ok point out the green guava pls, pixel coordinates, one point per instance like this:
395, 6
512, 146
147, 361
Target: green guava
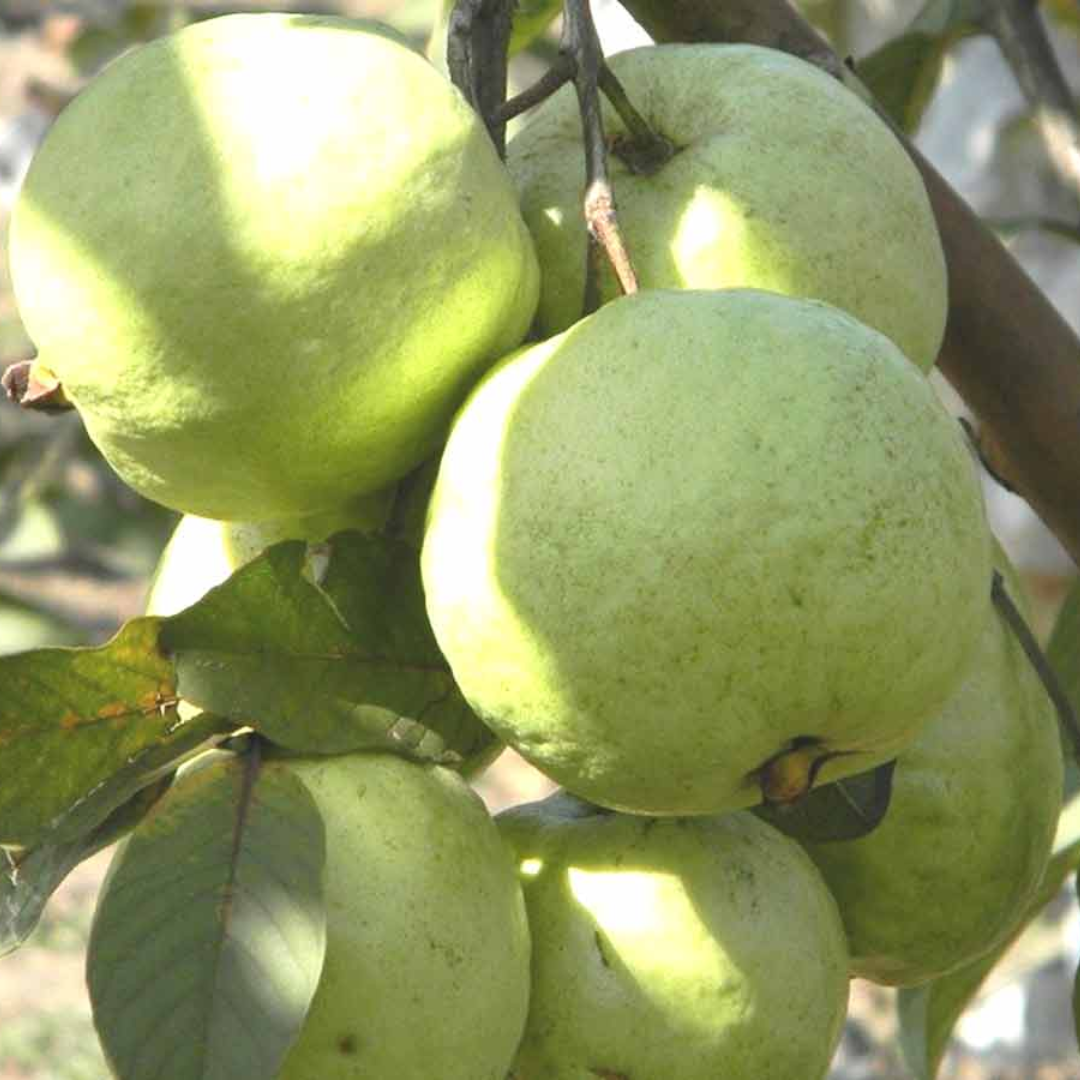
969, 828
700, 530
778, 178
204, 552
427, 954
266, 257
690, 948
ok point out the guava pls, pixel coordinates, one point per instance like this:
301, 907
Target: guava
427, 954
776, 177
204, 552
690, 948
266, 257
975, 803
700, 531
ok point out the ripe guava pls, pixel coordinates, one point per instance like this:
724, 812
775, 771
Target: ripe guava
266, 257
689, 948
778, 178
975, 803
427, 953
700, 530
204, 552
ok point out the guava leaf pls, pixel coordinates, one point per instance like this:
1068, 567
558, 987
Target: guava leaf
81, 730
1063, 653
843, 810
30, 878
326, 650
927, 1014
904, 72
209, 936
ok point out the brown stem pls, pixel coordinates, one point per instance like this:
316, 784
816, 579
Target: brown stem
477, 47
581, 41
1008, 352
1023, 41
1037, 658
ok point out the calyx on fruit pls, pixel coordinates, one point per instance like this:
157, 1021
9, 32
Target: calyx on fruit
267, 294
699, 529
780, 179
427, 952
975, 803
689, 948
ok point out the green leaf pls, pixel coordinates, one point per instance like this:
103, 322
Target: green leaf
843, 810
209, 936
1063, 653
531, 19
32, 877
904, 73
82, 729
928, 1014
327, 652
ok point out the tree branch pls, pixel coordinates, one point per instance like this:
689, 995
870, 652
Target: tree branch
1010, 354
1022, 38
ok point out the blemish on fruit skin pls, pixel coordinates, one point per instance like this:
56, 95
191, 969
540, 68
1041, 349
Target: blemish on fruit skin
347, 1044
599, 942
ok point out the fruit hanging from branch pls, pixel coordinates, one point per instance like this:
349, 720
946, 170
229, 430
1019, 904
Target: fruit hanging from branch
266, 301
700, 530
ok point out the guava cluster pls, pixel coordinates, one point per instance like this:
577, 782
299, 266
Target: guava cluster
714, 544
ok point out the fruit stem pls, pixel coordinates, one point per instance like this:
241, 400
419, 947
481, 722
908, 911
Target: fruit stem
643, 151
1037, 658
581, 41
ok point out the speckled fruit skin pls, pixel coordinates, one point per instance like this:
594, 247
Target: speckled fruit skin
695, 527
690, 948
427, 954
975, 803
267, 256
782, 180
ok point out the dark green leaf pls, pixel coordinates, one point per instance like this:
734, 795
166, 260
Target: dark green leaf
1063, 653
208, 941
327, 652
843, 810
27, 882
82, 729
929, 1013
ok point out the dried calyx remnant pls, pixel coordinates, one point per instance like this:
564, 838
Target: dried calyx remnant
26, 384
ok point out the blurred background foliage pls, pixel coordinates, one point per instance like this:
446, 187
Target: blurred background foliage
77, 547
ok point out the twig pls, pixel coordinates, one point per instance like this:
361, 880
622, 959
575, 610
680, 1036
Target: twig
581, 41
1008, 351
477, 46
1023, 41
1037, 658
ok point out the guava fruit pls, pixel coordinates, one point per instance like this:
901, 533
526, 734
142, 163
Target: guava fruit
204, 552
689, 948
975, 803
427, 955
776, 177
700, 531
266, 257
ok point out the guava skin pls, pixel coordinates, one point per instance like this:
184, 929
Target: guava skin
969, 829
698, 526
204, 552
781, 179
427, 955
690, 948
275, 291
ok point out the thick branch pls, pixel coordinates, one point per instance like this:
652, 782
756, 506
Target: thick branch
1019, 31
1008, 352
